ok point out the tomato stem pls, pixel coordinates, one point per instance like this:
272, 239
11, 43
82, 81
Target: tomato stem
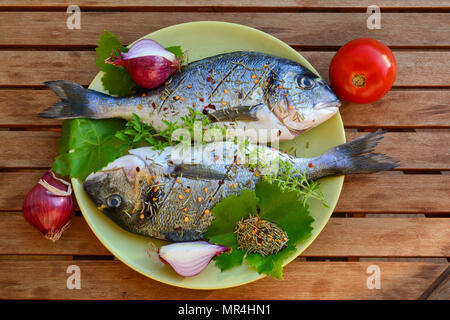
359, 81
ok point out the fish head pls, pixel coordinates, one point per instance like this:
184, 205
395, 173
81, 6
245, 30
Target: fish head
300, 99
120, 189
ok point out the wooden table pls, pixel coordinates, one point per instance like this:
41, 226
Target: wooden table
397, 220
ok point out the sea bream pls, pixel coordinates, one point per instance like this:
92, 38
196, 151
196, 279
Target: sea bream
239, 90
167, 195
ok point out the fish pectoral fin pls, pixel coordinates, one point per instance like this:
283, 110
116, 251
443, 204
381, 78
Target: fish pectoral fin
235, 113
198, 171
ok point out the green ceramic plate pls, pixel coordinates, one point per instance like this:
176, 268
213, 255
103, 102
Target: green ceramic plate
203, 39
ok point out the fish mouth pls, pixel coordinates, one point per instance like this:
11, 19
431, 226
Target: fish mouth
332, 105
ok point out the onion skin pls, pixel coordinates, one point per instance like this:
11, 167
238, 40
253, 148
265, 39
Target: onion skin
149, 71
49, 213
148, 63
190, 258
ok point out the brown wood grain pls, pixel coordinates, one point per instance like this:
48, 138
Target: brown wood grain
33, 68
78, 239
432, 29
376, 193
341, 237
19, 108
400, 108
381, 193
415, 68
28, 149
414, 150
227, 4
319, 280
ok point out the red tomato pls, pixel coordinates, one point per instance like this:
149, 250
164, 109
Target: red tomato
363, 71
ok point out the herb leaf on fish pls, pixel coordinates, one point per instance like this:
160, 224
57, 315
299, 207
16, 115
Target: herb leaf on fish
270, 203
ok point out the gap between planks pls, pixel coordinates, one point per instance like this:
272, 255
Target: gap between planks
229, 6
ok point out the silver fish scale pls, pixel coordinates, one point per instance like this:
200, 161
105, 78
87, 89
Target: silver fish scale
218, 83
185, 203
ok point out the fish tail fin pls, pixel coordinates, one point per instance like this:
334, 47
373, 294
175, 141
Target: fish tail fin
74, 101
357, 156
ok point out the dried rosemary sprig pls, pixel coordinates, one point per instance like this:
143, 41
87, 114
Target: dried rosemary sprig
257, 235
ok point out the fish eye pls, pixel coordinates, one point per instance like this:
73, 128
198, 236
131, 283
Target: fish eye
114, 201
306, 82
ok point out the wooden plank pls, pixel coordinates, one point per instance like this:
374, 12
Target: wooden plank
439, 289
318, 280
28, 149
14, 186
378, 237
19, 108
78, 239
442, 292
227, 4
33, 68
382, 193
424, 66
400, 108
414, 150
342, 237
432, 28
429, 152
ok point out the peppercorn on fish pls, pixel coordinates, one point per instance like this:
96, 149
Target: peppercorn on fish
170, 194
239, 90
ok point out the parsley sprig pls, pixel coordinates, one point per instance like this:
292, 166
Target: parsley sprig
281, 172
137, 133
290, 179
